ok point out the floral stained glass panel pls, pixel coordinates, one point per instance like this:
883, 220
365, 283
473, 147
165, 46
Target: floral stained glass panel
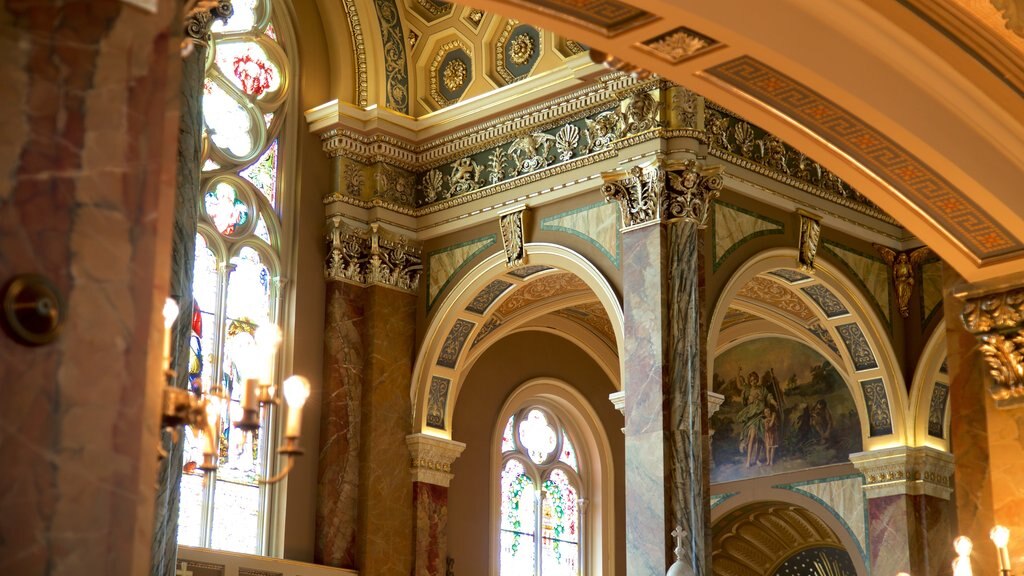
507, 443
560, 538
228, 212
227, 122
568, 453
248, 67
518, 515
537, 436
263, 174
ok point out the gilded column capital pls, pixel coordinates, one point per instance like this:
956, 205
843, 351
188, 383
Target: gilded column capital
689, 191
432, 458
905, 470
371, 256
637, 192
996, 319
200, 16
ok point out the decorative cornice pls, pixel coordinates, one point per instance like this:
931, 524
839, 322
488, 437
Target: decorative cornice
996, 319
432, 458
371, 256
906, 470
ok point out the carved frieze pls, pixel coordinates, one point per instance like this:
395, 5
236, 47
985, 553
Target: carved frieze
432, 458
513, 236
905, 470
996, 319
810, 234
371, 256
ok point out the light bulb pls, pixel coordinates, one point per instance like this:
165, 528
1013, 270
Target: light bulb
963, 546
268, 338
296, 391
170, 312
1000, 536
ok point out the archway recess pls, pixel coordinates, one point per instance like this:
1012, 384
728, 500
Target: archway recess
463, 317
892, 106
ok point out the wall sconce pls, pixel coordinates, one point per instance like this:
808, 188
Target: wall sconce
203, 411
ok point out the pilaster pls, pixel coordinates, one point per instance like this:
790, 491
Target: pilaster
910, 515
432, 459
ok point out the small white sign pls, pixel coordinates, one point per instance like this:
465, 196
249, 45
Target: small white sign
147, 5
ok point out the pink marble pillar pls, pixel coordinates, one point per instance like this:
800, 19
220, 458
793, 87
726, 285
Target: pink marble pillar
90, 101
432, 459
911, 519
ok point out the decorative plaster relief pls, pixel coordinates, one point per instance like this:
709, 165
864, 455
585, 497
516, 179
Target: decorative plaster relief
997, 321
678, 45
775, 295
826, 300
879, 418
487, 296
437, 402
904, 267
372, 256
937, 410
395, 68
513, 236
453, 343
810, 233
432, 458
858, 347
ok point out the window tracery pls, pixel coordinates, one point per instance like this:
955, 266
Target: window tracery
237, 266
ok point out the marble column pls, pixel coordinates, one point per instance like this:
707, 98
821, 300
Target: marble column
183, 248
911, 519
663, 209
985, 337
364, 509
432, 460
87, 179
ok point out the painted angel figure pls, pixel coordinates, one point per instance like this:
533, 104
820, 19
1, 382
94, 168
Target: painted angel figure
903, 265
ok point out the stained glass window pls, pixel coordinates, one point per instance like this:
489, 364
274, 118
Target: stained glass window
540, 531
235, 287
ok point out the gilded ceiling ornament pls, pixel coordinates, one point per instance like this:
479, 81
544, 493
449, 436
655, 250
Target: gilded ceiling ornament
997, 321
689, 192
476, 15
520, 49
454, 75
904, 268
530, 152
678, 45
413, 38
513, 236
810, 234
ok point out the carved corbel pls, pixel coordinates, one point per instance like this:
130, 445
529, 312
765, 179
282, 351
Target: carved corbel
810, 234
637, 192
513, 236
996, 319
689, 192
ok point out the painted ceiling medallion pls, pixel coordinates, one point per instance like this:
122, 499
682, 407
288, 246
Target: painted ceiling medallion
521, 49
454, 75
678, 45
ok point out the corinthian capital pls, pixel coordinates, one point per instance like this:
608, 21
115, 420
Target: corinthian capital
997, 320
637, 192
200, 16
689, 192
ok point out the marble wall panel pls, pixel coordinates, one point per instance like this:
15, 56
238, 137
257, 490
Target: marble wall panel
598, 224
385, 495
338, 476
431, 529
733, 226
891, 542
870, 270
444, 264
87, 180
843, 496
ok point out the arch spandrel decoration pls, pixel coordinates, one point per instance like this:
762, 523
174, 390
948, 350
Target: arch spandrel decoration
462, 326
929, 393
866, 359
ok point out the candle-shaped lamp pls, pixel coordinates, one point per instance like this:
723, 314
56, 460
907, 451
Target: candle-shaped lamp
248, 419
268, 339
296, 391
1000, 536
211, 433
170, 315
962, 563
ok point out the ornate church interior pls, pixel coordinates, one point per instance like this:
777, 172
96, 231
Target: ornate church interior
512, 288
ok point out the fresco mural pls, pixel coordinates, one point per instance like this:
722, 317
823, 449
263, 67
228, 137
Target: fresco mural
786, 408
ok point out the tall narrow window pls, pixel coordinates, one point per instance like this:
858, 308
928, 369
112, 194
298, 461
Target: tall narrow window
540, 521
237, 264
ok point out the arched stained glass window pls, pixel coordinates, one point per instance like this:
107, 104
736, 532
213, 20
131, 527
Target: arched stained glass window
237, 264
539, 530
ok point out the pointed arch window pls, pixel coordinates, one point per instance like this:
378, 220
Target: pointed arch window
237, 267
540, 511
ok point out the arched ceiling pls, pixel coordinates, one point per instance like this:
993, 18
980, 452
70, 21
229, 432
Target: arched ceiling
915, 116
